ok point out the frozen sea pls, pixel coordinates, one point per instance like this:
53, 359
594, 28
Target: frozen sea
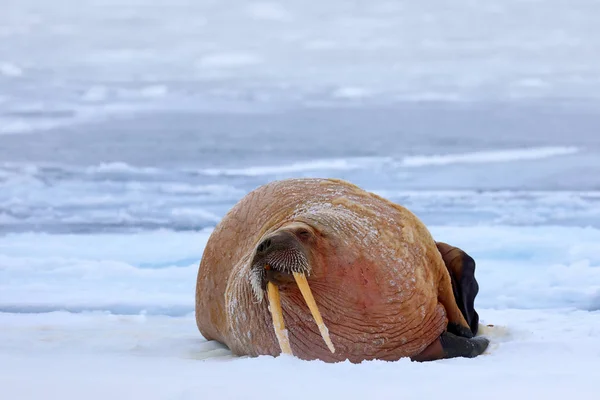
128, 129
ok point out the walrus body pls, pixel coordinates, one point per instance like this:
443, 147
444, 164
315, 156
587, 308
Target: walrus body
383, 287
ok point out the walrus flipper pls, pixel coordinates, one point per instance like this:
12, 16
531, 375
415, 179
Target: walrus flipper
449, 345
461, 267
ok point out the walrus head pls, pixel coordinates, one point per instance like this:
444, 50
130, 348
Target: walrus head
281, 258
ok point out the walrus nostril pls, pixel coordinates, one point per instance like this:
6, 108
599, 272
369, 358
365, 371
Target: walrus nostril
264, 246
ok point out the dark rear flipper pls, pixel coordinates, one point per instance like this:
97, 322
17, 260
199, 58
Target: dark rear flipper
461, 267
449, 345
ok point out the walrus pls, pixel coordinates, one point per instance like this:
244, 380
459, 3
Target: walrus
322, 269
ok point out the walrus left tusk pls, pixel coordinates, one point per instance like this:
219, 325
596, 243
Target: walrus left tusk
277, 315
314, 310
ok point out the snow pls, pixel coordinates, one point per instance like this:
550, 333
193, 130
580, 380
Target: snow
117, 309
534, 354
228, 60
543, 267
489, 156
130, 321
269, 11
295, 168
10, 70
482, 157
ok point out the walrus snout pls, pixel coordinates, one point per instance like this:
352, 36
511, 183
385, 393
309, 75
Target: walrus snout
278, 256
280, 241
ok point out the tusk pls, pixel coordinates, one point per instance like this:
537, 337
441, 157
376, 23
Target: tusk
314, 310
277, 315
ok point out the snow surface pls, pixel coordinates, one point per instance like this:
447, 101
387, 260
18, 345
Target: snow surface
540, 355
128, 129
534, 267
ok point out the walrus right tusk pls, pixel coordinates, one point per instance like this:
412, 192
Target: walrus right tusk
277, 315
314, 310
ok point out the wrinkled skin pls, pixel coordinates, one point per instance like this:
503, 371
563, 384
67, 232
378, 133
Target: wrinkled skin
376, 274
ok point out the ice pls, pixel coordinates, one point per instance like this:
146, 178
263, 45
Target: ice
115, 196
350, 92
489, 156
108, 195
269, 11
119, 273
228, 60
518, 268
549, 267
415, 161
292, 52
118, 309
95, 93
10, 70
296, 168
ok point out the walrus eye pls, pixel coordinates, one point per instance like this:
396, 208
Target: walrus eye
303, 234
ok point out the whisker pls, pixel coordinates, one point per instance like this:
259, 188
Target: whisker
287, 261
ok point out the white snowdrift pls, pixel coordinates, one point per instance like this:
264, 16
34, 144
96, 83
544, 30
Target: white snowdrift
535, 354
